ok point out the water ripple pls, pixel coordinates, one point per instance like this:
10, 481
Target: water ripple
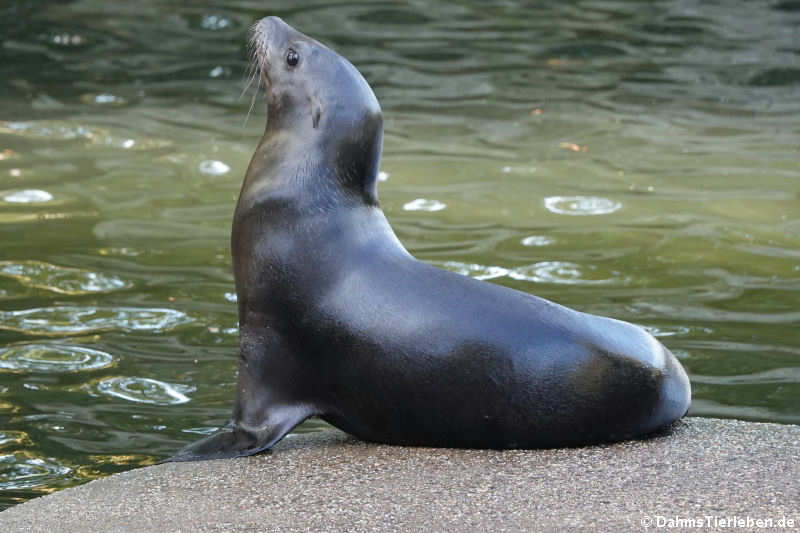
423, 204
537, 240
71, 320
213, 167
104, 99
786, 375
52, 358
472, 269
20, 471
144, 390
562, 272
14, 439
27, 196
67, 131
60, 279
581, 205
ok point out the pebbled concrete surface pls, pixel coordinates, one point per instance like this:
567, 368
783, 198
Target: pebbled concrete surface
725, 469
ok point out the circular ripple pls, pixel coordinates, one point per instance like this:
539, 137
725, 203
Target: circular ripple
472, 269
422, 204
53, 358
213, 167
144, 390
562, 272
581, 205
59, 279
19, 471
537, 240
27, 196
71, 320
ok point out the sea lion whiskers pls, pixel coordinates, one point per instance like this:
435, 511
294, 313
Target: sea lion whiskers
256, 67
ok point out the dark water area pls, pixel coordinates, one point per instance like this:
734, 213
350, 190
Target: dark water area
639, 160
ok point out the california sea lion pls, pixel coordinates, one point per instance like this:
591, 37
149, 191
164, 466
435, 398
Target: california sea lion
338, 320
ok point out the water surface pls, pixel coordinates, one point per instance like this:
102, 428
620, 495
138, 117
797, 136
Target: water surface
636, 160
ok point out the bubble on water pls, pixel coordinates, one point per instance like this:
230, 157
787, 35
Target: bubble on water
72, 320
473, 270
60, 279
52, 358
212, 167
537, 240
383, 176
423, 204
27, 196
231, 297
561, 272
144, 390
581, 205
21, 471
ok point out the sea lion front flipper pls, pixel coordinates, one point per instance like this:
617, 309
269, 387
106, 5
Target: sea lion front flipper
267, 405
237, 440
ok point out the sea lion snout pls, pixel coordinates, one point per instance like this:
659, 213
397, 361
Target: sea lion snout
264, 36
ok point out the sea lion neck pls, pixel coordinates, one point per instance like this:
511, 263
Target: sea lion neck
333, 164
311, 170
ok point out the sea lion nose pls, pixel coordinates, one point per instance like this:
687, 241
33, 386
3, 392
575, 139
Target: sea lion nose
271, 26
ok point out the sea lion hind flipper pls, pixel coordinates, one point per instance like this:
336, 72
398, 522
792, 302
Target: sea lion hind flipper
237, 441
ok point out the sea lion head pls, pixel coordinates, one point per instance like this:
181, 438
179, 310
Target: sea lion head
318, 104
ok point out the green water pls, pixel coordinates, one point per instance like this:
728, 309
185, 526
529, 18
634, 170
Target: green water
633, 159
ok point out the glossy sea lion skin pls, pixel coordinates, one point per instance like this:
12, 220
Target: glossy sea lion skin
338, 320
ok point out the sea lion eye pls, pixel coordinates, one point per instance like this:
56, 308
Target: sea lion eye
292, 57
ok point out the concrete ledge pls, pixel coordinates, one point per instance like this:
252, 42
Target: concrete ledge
329, 482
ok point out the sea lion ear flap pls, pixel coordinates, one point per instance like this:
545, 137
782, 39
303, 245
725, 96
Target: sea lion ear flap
316, 114
316, 108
